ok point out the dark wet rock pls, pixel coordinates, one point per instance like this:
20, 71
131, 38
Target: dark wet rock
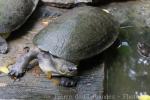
70, 1
134, 16
82, 1
44, 11
73, 3
131, 13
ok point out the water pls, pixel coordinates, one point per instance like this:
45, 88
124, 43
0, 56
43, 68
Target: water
127, 68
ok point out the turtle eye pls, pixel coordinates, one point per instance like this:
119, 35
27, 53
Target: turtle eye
63, 69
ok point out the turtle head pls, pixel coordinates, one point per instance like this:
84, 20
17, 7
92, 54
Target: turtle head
65, 68
56, 66
68, 69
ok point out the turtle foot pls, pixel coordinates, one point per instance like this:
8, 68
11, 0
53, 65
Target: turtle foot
15, 75
22, 65
68, 82
16, 72
3, 46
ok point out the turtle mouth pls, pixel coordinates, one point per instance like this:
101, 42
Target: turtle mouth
72, 71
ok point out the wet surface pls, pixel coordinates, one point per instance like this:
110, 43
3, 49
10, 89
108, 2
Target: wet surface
128, 73
32, 87
128, 68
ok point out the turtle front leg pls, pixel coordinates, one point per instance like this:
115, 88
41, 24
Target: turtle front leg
18, 69
3, 46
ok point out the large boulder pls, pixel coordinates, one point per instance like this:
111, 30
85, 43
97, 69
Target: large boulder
131, 13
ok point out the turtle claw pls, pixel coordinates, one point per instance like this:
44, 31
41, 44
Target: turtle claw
16, 73
68, 82
3, 46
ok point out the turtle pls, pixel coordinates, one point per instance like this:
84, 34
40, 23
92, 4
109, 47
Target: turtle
143, 49
13, 14
81, 33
